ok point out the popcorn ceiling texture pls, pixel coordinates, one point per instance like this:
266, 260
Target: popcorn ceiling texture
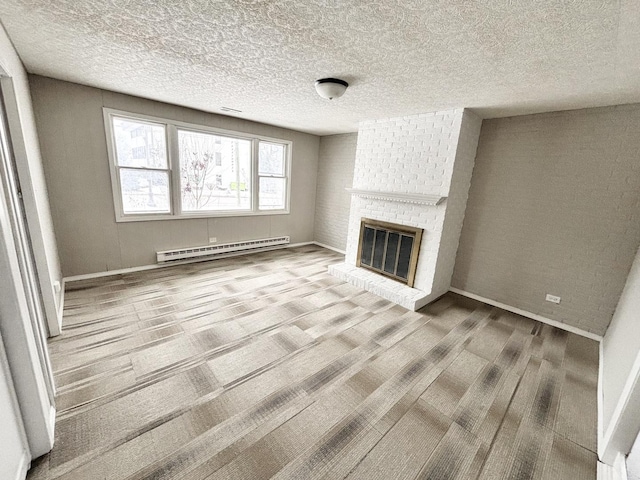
554, 207
401, 57
417, 154
336, 160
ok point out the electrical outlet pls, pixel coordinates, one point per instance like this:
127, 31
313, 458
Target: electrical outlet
213, 239
552, 298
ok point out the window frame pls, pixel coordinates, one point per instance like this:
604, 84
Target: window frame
173, 169
284, 175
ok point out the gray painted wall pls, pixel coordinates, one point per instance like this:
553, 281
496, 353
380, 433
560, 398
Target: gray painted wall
73, 142
336, 161
554, 207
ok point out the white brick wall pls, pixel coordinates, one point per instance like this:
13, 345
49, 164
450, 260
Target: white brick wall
554, 207
336, 160
416, 154
412, 154
457, 201
430, 218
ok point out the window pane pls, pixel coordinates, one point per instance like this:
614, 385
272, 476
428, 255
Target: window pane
404, 256
272, 193
271, 159
139, 144
378, 249
215, 172
367, 245
144, 191
392, 251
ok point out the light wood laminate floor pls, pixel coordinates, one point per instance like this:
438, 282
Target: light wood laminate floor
264, 366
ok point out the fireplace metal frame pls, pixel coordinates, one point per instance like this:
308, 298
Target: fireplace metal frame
414, 232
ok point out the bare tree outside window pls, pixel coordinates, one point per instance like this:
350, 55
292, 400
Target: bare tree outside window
166, 169
215, 172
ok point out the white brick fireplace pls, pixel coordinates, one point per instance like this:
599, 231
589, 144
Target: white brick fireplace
413, 171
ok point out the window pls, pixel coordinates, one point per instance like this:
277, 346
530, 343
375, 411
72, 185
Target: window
200, 170
273, 180
164, 169
141, 166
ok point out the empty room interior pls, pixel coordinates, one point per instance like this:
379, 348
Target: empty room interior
319, 239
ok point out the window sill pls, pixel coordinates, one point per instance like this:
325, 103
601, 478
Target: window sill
185, 216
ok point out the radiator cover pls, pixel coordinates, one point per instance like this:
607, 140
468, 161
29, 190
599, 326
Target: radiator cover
213, 251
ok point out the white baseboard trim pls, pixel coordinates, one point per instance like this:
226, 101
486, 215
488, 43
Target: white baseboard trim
23, 466
60, 311
600, 402
52, 425
109, 273
299, 244
328, 247
141, 268
533, 316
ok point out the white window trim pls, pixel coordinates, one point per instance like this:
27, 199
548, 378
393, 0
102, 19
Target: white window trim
176, 212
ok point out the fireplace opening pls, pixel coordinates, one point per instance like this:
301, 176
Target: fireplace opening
389, 249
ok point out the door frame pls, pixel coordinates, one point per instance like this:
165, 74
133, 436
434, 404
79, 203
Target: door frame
23, 333
29, 379
24, 249
52, 292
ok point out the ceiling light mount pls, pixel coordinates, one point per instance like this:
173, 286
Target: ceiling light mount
331, 88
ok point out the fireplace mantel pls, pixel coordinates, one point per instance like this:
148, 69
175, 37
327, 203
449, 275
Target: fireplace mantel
415, 198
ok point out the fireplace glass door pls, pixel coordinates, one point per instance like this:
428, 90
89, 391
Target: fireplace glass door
389, 249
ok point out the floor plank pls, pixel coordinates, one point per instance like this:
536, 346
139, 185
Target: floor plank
264, 366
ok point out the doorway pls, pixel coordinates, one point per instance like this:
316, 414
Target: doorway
24, 251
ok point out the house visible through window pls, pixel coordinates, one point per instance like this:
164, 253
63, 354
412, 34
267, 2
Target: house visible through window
142, 166
165, 169
271, 170
200, 169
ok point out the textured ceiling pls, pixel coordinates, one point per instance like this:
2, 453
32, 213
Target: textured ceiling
400, 56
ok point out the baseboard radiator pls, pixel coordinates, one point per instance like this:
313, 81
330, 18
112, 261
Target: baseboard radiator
212, 251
